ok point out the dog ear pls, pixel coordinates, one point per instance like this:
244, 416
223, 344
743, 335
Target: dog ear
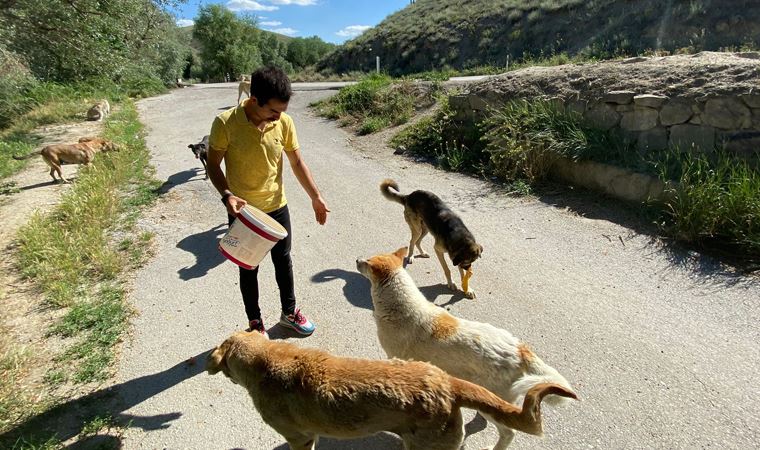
217, 359
190, 146
401, 253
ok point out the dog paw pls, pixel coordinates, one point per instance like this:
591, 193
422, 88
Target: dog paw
470, 294
423, 255
407, 261
452, 286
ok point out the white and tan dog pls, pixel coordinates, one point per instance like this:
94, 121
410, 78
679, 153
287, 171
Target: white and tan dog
99, 111
305, 393
411, 327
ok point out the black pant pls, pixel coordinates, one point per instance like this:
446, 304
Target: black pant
283, 272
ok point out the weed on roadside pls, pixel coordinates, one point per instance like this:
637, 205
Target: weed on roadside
77, 255
375, 103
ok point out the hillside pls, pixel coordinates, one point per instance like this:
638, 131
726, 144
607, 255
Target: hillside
432, 34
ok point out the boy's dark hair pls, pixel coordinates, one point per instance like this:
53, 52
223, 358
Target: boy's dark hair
268, 83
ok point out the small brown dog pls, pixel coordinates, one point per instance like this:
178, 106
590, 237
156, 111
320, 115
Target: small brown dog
83, 152
425, 212
307, 393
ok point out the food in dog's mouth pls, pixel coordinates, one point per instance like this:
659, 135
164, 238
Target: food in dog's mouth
466, 280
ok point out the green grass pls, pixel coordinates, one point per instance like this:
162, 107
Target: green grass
70, 248
13, 395
716, 203
374, 103
449, 143
97, 325
525, 138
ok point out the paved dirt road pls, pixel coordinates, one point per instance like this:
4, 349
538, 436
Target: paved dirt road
662, 347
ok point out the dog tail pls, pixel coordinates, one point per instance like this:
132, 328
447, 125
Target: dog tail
526, 419
34, 153
523, 385
390, 194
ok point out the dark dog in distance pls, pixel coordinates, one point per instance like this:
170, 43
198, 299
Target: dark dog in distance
200, 151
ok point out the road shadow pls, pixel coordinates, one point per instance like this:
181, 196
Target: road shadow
383, 440
356, 288
434, 291
379, 441
714, 264
66, 420
278, 332
41, 184
476, 425
178, 179
204, 246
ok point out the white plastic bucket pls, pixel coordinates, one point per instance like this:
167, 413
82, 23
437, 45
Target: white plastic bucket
250, 237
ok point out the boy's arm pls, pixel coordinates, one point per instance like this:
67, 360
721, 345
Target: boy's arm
303, 174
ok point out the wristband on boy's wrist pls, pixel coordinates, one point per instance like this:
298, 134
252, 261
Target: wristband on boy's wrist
226, 196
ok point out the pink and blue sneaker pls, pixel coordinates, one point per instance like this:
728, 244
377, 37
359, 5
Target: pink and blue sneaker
297, 322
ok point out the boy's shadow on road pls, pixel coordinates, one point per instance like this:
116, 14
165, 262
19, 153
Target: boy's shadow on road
356, 289
67, 419
204, 246
380, 441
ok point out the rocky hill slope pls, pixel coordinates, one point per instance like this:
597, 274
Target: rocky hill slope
433, 34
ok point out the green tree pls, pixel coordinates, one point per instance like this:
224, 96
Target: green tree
70, 40
303, 52
274, 52
229, 45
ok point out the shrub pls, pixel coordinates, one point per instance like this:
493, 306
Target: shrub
15, 81
716, 201
525, 138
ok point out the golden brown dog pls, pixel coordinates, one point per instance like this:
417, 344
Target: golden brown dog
83, 152
425, 212
244, 86
307, 393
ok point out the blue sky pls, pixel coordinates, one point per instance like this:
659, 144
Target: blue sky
332, 20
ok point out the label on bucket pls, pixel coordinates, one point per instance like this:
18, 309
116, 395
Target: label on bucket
231, 241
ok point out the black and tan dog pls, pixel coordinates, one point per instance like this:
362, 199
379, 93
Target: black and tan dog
425, 212
200, 150
305, 393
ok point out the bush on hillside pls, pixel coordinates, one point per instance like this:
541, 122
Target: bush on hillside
15, 81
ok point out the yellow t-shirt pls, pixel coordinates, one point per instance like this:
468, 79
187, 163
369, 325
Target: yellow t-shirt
253, 158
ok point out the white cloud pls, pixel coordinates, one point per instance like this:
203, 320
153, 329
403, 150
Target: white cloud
272, 23
294, 2
353, 30
185, 22
248, 5
285, 31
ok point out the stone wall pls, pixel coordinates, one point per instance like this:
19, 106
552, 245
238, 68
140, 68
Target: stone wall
655, 122
697, 102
